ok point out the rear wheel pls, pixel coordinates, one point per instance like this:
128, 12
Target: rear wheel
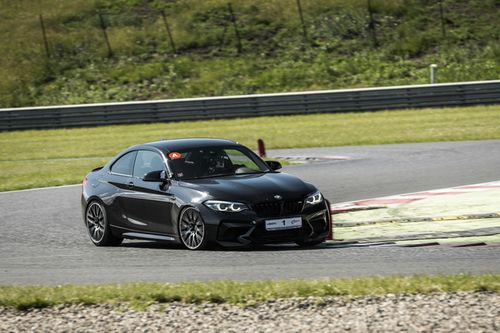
98, 227
192, 230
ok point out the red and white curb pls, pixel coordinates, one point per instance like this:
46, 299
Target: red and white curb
402, 199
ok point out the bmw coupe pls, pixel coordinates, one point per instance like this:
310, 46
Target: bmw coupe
197, 192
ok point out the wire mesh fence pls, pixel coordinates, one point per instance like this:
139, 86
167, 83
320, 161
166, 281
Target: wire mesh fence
113, 28
80, 51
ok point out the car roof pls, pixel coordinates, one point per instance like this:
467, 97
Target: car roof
188, 143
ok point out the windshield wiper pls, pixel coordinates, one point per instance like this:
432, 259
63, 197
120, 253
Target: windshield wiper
225, 175
209, 176
249, 173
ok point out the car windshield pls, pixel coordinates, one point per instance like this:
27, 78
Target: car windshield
214, 162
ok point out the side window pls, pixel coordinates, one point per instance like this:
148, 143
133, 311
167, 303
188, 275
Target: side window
147, 161
124, 165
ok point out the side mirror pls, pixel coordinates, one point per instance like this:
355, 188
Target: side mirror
274, 165
156, 176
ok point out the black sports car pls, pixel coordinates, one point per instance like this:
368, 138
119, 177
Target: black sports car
200, 191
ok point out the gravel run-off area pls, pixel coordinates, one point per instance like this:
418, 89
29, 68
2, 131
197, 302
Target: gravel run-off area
440, 312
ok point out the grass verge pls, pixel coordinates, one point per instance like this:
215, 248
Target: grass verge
142, 294
63, 156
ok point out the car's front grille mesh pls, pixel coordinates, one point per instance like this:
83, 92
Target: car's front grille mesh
278, 208
266, 209
292, 207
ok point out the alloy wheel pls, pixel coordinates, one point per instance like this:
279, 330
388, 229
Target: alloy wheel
96, 221
192, 229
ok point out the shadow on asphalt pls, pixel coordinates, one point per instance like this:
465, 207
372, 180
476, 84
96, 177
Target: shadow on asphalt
253, 248
152, 245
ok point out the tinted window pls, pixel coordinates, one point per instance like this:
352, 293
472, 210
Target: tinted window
124, 164
146, 162
213, 162
239, 159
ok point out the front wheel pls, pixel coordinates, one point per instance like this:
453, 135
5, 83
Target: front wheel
192, 230
98, 227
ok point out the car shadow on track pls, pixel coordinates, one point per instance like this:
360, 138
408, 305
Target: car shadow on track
252, 248
152, 245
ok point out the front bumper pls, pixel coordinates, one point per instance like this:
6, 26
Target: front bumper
229, 229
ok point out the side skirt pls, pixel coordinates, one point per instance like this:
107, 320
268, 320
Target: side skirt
147, 236
127, 233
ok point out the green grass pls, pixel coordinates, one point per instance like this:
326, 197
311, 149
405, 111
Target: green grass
63, 156
338, 53
142, 294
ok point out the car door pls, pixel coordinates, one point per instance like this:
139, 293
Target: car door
149, 207
120, 177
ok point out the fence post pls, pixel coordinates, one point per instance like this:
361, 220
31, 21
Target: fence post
304, 29
44, 35
223, 36
105, 34
235, 25
261, 147
169, 33
371, 25
441, 15
433, 70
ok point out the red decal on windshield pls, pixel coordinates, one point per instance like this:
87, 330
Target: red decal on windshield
174, 155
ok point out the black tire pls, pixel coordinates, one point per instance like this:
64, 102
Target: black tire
98, 227
192, 229
310, 243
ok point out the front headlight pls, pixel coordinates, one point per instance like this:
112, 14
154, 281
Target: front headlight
225, 206
314, 199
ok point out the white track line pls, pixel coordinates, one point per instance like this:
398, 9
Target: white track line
40, 188
413, 194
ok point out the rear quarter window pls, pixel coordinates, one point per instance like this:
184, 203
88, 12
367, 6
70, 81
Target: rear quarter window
125, 164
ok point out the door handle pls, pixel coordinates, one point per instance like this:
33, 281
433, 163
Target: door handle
130, 185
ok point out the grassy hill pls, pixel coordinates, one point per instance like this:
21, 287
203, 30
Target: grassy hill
338, 46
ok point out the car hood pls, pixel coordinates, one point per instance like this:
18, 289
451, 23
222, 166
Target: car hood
252, 187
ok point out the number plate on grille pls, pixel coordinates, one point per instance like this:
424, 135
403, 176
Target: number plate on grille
282, 224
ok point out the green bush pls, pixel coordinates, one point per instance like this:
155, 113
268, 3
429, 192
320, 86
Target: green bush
337, 53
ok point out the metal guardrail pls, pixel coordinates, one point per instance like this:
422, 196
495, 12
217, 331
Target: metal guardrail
348, 100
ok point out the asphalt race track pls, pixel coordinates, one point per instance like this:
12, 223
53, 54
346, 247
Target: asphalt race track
373, 171
43, 239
